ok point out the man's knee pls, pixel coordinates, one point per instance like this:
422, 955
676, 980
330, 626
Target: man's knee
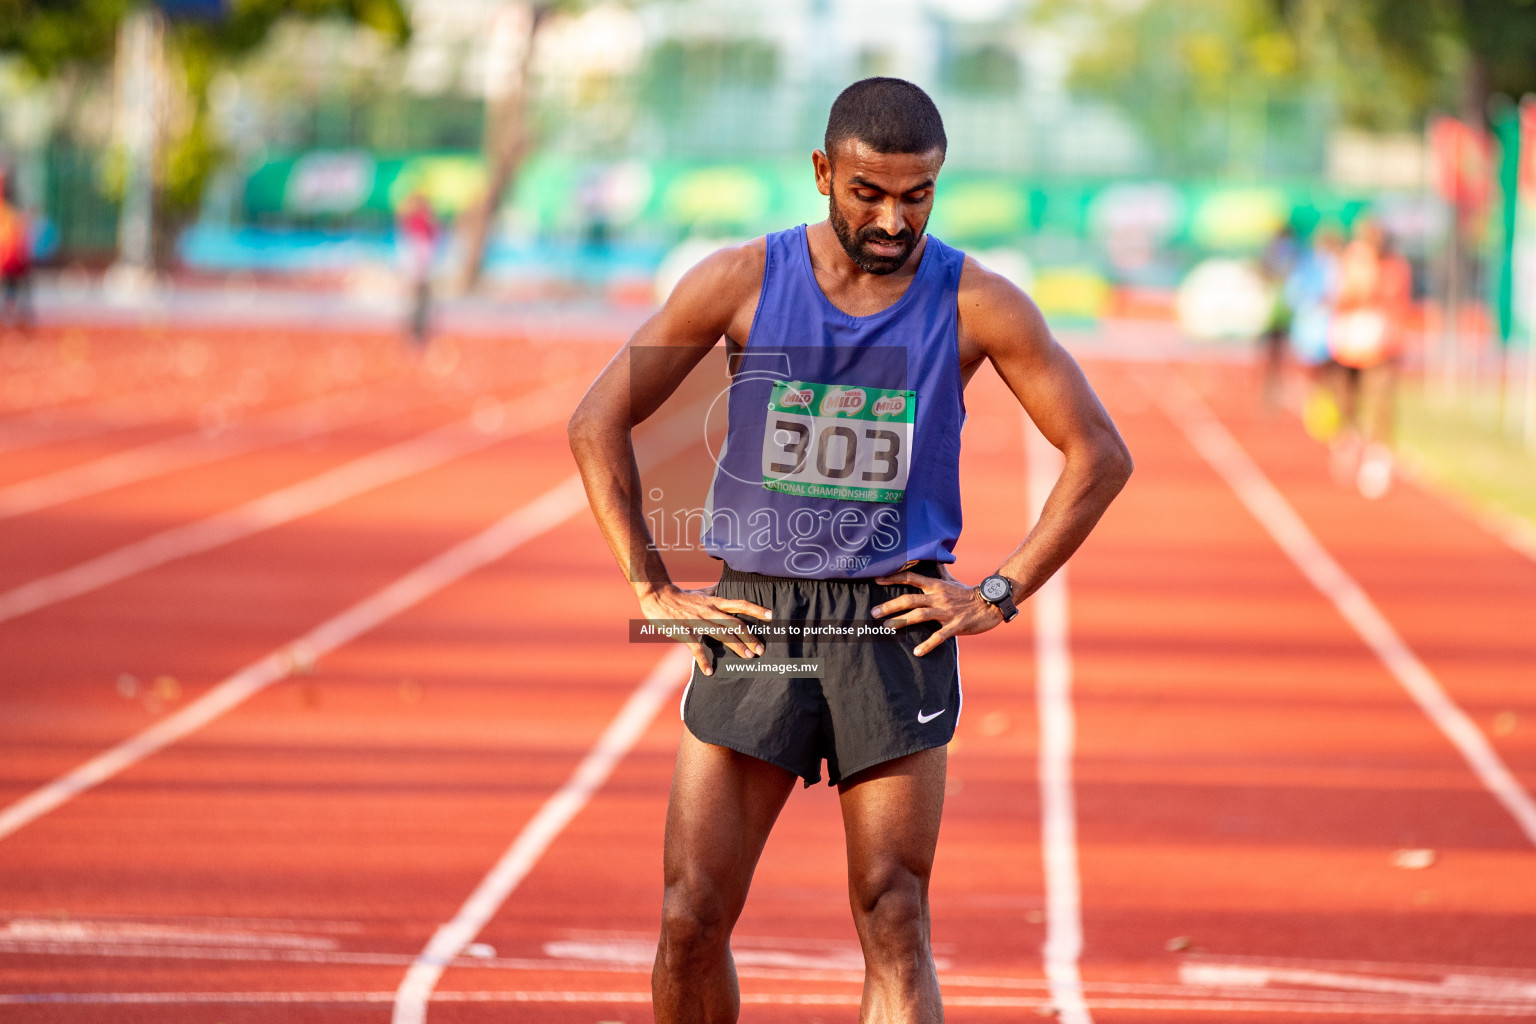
695, 925
890, 908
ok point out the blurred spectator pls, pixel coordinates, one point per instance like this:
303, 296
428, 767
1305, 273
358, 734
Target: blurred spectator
1309, 293
418, 233
15, 259
1375, 286
1276, 264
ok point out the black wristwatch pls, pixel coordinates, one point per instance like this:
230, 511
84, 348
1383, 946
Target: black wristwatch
998, 591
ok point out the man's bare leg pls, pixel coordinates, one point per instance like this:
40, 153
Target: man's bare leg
891, 820
722, 806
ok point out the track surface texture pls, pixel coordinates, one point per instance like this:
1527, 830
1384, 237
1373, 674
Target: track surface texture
333, 716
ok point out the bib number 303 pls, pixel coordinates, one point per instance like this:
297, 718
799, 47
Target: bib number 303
835, 441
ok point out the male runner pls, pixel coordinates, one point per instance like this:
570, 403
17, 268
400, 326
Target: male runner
836, 499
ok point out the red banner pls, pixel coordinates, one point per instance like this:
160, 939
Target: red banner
1462, 164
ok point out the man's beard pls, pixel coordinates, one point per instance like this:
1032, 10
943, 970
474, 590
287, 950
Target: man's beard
853, 242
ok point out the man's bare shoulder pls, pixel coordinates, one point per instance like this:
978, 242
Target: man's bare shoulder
995, 312
734, 270
715, 297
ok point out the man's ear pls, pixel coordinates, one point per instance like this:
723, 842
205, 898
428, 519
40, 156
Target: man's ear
823, 167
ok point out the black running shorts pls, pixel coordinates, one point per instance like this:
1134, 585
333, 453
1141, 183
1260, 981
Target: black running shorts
854, 702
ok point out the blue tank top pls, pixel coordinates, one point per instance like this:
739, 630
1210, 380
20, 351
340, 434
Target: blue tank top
842, 450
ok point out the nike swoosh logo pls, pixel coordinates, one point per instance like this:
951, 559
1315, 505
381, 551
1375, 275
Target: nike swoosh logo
923, 719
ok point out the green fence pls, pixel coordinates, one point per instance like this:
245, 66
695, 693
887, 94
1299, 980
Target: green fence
76, 201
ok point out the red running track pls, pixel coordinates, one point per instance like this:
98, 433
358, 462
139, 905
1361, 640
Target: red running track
1248, 773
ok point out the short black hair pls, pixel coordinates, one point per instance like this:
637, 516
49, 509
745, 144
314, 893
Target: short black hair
889, 115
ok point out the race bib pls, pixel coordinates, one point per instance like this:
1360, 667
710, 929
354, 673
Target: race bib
1359, 338
834, 441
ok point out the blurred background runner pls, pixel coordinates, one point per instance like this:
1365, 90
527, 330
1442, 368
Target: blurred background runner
1309, 292
418, 234
1277, 262
1375, 286
15, 259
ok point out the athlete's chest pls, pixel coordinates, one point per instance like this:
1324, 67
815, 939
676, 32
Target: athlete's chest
865, 300
863, 295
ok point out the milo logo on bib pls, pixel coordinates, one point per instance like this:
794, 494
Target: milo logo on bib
793, 399
842, 402
838, 441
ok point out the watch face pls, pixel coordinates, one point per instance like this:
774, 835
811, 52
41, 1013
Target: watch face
994, 588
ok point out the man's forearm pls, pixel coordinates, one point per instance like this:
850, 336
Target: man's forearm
605, 455
1087, 485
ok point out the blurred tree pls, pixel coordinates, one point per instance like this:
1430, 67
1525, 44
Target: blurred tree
1190, 73
508, 127
507, 134
201, 46
1434, 49
1384, 63
53, 35
72, 39
677, 69
1377, 64
991, 68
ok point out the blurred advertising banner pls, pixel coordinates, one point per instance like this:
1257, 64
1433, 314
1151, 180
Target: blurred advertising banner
350, 181
1523, 253
1523, 268
1462, 165
558, 194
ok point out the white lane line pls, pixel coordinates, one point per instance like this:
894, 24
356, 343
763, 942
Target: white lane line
385, 466
104, 414
297, 422
1058, 812
107, 932
542, 514
547, 996
1456, 986
1498, 522
1229, 1006
539, 516
1379, 967
1226, 456
1197, 979
542, 829
15, 436
53, 417
157, 951
641, 953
